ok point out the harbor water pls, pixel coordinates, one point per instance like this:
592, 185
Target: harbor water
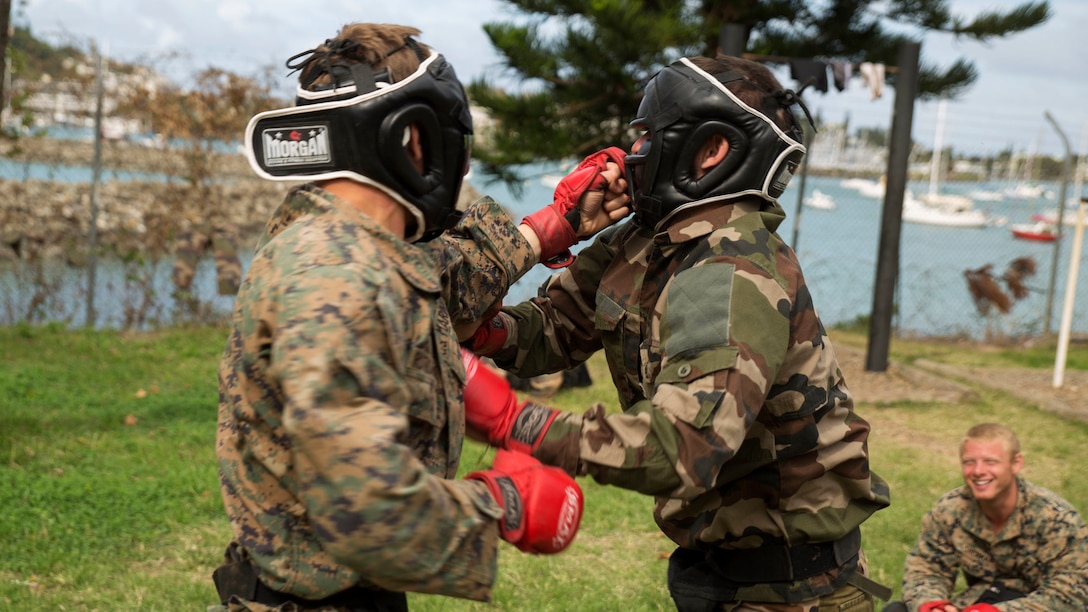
838, 249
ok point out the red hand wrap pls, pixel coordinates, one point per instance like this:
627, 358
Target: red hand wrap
542, 505
556, 225
489, 337
929, 606
492, 411
981, 607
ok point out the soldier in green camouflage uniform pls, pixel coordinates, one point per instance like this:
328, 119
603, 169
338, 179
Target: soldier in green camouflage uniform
341, 417
735, 415
1010, 538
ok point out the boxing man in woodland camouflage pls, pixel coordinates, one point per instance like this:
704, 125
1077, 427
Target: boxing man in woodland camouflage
735, 415
1020, 547
341, 417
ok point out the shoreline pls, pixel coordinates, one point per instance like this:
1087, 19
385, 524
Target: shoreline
51, 220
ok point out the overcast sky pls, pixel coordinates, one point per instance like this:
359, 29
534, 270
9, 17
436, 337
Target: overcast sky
1021, 78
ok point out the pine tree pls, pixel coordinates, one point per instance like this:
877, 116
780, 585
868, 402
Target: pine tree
580, 65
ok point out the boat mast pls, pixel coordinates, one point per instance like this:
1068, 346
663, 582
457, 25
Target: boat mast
938, 149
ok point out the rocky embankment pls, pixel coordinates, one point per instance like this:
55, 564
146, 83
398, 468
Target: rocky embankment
51, 219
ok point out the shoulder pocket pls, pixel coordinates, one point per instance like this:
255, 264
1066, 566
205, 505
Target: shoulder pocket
697, 309
698, 407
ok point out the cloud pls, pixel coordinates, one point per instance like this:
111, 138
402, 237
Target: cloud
1019, 76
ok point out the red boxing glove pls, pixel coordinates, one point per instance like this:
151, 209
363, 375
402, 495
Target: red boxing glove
980, 607
938, 605
493, 413
542, 504
556, 225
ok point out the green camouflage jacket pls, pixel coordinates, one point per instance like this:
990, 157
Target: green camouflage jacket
1042, 550
735, 415
341, 417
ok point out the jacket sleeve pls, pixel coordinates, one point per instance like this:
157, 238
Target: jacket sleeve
556, 330
707, 392
481, 258
931, 566
348, 402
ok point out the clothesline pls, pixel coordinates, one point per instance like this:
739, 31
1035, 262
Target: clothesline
810, 72
782, 59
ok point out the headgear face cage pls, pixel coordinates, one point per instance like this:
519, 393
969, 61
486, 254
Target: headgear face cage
683, 106
357, 131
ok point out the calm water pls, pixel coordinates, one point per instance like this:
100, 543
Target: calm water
837, 248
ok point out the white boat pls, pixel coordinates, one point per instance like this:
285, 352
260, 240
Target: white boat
947, 214
948, 201
1024, 186
983, 195
1028, 191
935, 206
1069, 215
820, 200
866, 187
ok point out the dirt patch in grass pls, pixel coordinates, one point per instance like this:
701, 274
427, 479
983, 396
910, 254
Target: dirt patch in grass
928, 381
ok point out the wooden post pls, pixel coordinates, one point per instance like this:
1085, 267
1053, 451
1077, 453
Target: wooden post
887, 264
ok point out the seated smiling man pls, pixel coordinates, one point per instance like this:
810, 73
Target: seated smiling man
1020, 547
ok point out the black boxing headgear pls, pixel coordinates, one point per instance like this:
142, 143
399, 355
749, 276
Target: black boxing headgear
355, 128
683, 106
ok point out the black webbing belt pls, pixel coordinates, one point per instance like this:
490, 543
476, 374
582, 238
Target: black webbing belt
785, 563
236, 577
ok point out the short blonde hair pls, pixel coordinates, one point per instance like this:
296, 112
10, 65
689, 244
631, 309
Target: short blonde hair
993, 432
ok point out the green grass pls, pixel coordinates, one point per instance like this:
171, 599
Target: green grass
109, 498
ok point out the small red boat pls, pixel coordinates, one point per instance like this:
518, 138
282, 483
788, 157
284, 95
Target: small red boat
1039, 231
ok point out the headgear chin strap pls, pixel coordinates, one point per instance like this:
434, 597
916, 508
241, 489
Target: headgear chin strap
683, 107
356, 130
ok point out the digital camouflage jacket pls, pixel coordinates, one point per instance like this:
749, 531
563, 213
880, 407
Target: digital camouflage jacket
735, 415
341, 417
1042, 550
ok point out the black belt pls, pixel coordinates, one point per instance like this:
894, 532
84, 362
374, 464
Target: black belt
356, 599
785, 563
237, 577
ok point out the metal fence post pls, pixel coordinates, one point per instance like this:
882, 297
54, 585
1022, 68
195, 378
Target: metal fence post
1061, 221
92, 236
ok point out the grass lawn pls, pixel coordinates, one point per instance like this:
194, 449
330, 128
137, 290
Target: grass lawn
109, 498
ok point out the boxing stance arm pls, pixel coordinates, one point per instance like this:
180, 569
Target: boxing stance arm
494, 414
583, 205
